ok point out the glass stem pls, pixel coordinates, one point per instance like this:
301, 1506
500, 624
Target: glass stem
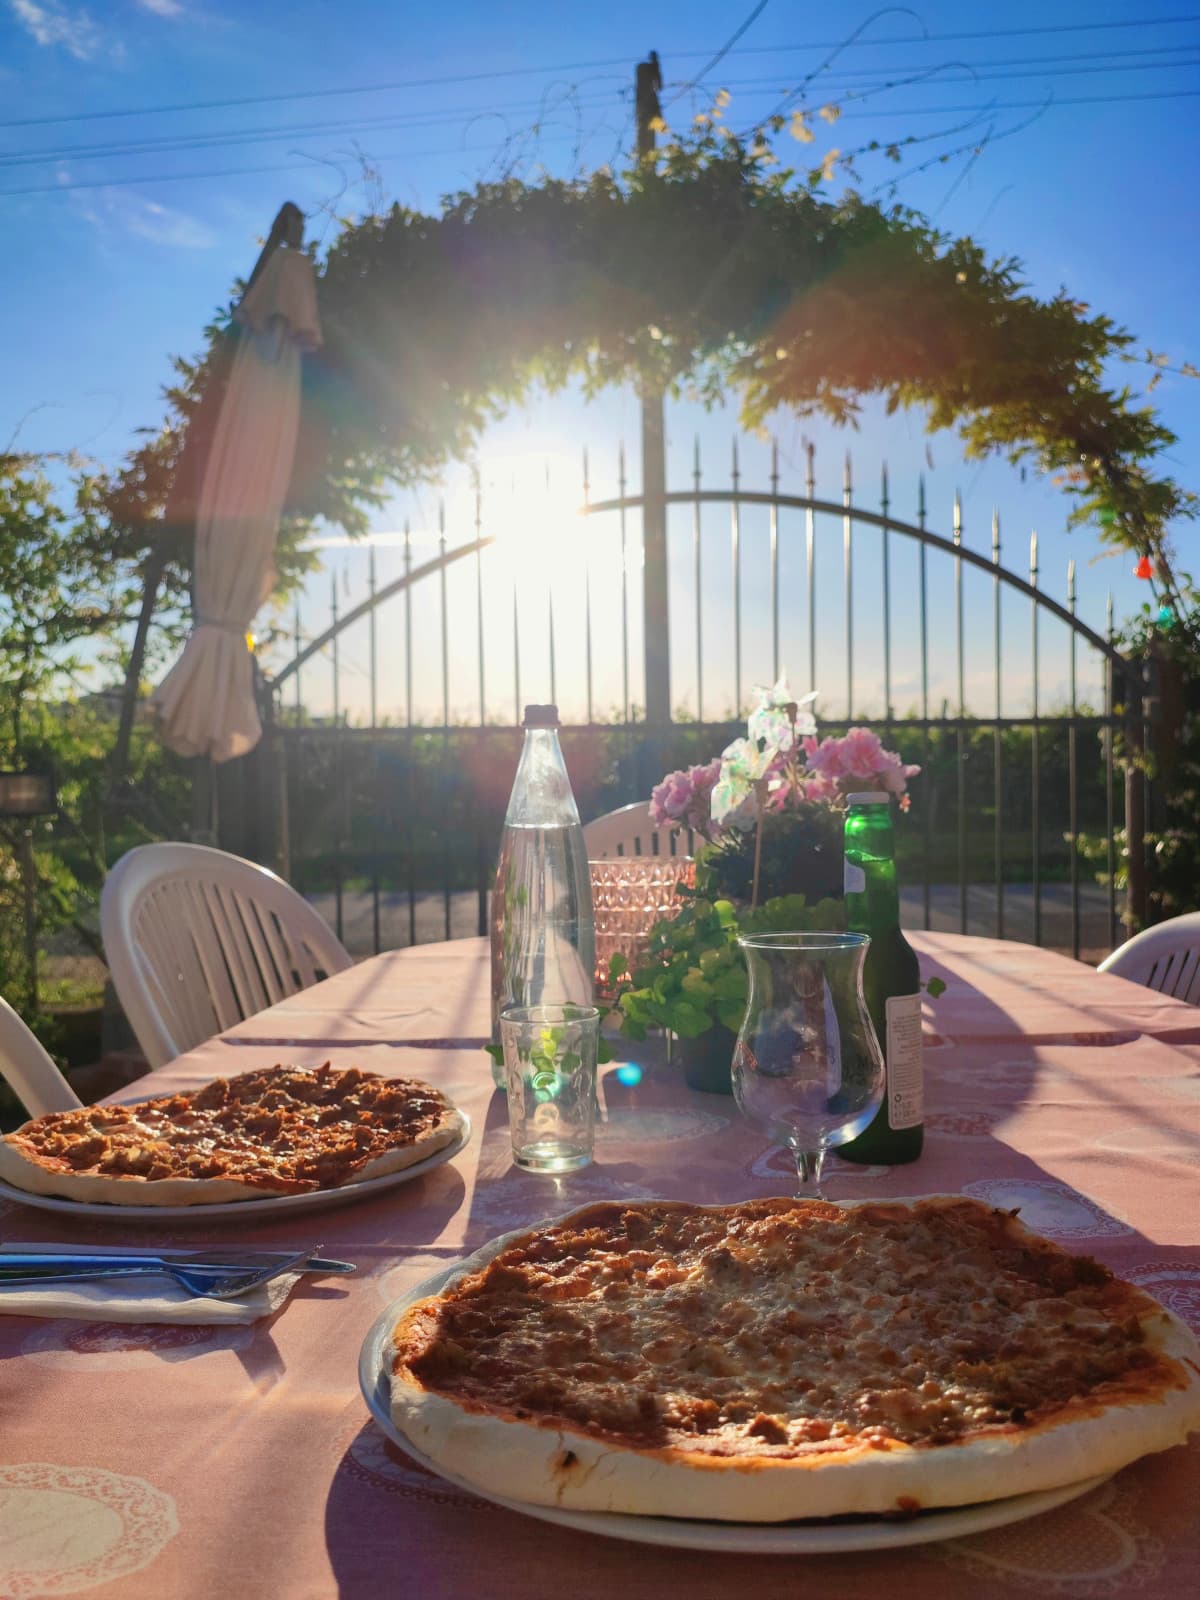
808, 1173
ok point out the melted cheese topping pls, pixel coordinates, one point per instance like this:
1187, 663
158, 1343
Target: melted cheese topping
283, 1128
782, 1329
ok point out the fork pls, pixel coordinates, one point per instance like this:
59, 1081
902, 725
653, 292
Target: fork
221, 1280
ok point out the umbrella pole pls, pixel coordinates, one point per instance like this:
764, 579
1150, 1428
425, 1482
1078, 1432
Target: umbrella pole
204, 801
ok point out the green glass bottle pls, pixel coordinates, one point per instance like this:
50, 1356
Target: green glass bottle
891, 983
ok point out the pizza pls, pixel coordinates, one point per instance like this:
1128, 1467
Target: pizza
280, 1131
782, 1359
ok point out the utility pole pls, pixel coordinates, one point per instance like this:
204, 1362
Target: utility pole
656, 601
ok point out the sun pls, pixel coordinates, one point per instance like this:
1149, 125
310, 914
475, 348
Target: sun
531, 504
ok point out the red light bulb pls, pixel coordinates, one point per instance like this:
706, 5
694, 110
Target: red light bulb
1144, 568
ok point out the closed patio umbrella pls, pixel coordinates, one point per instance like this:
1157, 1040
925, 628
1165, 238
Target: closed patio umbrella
205, 704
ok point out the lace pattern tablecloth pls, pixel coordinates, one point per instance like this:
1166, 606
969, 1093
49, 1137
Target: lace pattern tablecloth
188, 1462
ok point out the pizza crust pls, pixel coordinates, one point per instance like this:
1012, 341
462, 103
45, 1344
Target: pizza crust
20, 1167
97, 1189
561, 1465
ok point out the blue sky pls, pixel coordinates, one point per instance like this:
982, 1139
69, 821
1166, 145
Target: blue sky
125, 230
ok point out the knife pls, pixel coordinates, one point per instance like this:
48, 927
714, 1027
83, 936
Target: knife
56, 1261
227, 1281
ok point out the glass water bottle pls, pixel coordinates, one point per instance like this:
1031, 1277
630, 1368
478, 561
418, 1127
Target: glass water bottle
542, 929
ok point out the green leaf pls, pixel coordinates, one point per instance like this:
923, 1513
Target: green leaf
635, 1005
618, 966
697, 986
688, 1021
935, 987
731, 985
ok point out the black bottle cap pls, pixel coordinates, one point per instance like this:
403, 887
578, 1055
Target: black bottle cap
541, 717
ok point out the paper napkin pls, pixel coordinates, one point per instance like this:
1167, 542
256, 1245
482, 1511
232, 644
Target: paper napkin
139, 1299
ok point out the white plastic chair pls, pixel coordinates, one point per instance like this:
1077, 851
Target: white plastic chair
628, 831
1165, 957
197, 940
29, 1071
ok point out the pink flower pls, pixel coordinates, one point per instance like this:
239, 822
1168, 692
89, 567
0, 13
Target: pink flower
826, 758
664, 800
821, 789
685, 799
893, 775
814, 772
862, 753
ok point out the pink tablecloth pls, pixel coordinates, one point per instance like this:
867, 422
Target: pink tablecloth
193, 1462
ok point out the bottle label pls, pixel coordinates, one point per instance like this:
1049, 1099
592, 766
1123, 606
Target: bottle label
854, 880
904, 1076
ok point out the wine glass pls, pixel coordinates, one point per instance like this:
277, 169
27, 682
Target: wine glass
807, 1066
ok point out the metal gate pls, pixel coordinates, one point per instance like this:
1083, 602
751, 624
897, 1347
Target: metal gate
393, 828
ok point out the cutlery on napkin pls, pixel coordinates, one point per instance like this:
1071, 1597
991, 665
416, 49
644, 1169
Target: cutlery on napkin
107, 1284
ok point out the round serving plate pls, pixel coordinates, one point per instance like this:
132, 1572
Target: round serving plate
746, 1538
281, 1205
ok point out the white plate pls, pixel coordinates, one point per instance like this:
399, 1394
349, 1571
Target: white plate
280, 1205
747, 1538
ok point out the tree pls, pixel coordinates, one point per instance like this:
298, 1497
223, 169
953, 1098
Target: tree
707, 266
62, 583
64, 595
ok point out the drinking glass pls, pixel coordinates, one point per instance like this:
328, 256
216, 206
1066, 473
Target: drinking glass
807, 1066
550, 1066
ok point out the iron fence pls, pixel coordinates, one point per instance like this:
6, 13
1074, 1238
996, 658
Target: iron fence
393, 823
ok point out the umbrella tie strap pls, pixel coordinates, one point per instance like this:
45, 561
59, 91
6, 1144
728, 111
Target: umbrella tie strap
238, 630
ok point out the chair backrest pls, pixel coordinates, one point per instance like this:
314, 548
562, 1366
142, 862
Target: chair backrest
29, 1071
196, 940
628, 831
1165, 957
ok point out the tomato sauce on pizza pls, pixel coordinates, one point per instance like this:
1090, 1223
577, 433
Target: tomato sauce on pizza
776, 1334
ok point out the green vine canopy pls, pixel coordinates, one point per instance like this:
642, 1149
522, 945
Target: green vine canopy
707, 268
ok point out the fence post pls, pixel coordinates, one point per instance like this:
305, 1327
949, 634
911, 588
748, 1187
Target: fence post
29, 891
1135, 800
656, 644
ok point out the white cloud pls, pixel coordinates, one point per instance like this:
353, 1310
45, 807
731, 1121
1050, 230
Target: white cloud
51, 23
162, 8
115, 211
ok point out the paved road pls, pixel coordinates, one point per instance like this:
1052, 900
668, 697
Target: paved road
945, 916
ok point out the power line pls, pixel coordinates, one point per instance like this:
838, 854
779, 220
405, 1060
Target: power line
1071, 57
580, 66
235, 172
402, 155
962, 38
1028, 105
1066, 65
170, 143
721, 53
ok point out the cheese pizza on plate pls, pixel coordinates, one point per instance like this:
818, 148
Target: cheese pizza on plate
782, 1359
281, 1131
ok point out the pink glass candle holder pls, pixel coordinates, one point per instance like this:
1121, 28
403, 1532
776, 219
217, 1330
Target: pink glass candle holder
629, 895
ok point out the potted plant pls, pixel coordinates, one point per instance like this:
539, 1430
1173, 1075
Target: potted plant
768, 817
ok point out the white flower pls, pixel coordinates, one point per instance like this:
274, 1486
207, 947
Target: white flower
771, 721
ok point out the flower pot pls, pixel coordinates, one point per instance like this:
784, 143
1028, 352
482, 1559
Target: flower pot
707, 1060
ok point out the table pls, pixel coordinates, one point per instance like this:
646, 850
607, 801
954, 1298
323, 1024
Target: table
190, 1462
